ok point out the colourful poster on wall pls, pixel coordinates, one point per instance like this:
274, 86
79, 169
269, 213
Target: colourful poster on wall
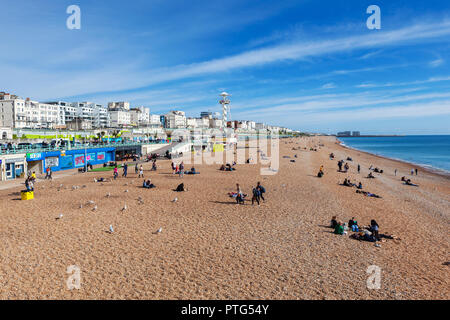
51, 162
100, 156
79, 160
90, 157
66, 162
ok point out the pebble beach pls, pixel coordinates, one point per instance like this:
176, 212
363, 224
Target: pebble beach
211, 248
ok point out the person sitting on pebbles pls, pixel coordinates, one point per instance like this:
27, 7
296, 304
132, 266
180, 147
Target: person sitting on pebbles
181, 188
148, 184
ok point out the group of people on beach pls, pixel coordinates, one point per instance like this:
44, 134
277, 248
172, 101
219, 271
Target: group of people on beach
368, 233
408, 182
178, 168
342, 165
347, 182
228, 167
257, 194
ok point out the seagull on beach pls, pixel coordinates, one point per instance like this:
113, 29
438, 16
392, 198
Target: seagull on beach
108, 194
60, 216
111, 229
126, 190
94, 208
124, 207
175, 200
158, 231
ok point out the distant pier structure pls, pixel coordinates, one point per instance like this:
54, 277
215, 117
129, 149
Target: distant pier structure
225, 102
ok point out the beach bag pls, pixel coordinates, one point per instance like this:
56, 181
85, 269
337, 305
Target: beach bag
263, 190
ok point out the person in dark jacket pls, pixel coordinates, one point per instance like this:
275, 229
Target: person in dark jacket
256, 195
261, 190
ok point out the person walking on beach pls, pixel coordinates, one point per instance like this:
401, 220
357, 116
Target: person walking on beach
174, 168
181, 167
136, 169
395, 172
416, 171
359, 168
261, 190
346, 167
48, 174
116, 172
141, 172
125, 170
256, 195
340, 162
239, 195
412, 172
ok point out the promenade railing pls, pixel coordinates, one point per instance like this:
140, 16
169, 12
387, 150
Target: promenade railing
36, 149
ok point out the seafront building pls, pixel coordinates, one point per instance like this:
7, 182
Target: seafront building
175, 120
26, 113
140, 117
18, 113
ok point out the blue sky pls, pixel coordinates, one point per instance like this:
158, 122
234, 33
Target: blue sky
302, 64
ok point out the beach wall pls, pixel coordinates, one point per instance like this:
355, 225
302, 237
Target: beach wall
149, 148
69, 159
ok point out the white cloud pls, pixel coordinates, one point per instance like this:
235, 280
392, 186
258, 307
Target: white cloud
329, 85
398, 84
437, 62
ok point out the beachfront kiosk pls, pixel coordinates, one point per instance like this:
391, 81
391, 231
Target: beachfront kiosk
12, 166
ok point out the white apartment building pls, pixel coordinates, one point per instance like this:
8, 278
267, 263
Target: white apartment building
7, 110
100, 115
260, 126
203, 122
120, 118
243, 125
251, 125
119, 105
176, 119
67, 113
215, 123
155, 119
20, 113
191, 123
140, 117
91, 114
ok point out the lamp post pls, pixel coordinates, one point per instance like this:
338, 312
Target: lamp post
85, 155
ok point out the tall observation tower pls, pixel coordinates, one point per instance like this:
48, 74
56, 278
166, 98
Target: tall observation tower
225, 108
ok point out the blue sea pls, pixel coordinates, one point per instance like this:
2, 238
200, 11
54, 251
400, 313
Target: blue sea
428, 151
